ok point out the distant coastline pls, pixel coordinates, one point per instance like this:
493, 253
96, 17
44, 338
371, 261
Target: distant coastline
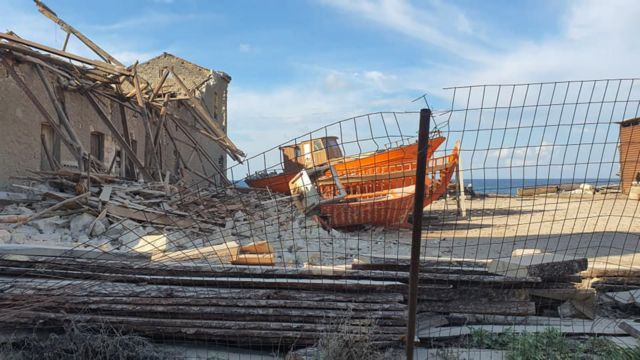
510, 186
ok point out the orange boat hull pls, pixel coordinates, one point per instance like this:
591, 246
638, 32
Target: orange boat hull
277, 183
390, 208
374, 163
395, 159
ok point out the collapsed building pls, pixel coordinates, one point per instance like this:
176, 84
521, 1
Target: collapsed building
164, 119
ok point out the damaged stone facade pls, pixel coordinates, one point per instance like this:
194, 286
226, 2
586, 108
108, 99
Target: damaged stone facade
25, 131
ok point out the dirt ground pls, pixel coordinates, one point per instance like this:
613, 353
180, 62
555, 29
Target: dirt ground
597, 225
590, 225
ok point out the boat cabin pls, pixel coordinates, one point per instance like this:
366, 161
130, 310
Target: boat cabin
310, 153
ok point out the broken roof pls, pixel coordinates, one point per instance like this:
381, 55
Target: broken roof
193, 75
109, 78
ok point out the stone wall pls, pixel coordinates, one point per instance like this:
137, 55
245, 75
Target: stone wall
20, 141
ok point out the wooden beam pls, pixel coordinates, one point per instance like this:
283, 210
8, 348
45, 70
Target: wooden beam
9, 219
136, 84
257, 247
45, 147
150, 217
476, 307
53, 66
225, 253
117, 136
159, 127
548, 266
198, 148
181, 299
45, 114
71, 30
165, 105
185, 165
54, 207
151, 155
106, 67
96, 288
601, 326
255, 259
29, 55
126, 164
64, 120
66, 41
271, 330
156, 90
226, 143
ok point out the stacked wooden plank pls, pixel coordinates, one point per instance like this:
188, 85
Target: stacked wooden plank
274, 306
613, 273
530, 293
513, 286
252, 306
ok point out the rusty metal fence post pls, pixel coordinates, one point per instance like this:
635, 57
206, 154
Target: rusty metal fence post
421, 172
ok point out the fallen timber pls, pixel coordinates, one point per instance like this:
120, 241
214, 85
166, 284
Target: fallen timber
227, 313
146, 271
272, 305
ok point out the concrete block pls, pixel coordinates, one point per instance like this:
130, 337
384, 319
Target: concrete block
5, 236
19, 238
48, 225
98, 229
52, 238
80, 224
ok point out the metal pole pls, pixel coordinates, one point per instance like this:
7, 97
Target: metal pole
416, 237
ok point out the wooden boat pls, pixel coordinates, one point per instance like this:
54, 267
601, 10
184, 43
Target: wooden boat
391, 207
380, 176
322, 151
277, 183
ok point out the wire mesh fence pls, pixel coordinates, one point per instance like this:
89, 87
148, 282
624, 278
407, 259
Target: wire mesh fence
528, 240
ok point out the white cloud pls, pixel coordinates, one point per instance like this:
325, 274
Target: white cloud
435, 22
334, 81
598, 40
381, 80
260, 119
517, 156
147, 20
247, 48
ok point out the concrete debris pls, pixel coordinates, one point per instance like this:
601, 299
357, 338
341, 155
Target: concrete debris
98, 229
80, 224
48, 225
156, 218
5, 236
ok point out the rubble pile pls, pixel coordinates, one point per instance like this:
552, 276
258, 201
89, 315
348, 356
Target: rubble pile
172, 223
120, 215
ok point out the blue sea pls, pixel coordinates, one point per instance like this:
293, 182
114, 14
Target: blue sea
510, 186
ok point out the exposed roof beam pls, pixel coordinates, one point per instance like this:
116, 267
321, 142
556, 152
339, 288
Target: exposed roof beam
71, 30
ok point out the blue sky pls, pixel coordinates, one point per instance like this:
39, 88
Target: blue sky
298, 64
